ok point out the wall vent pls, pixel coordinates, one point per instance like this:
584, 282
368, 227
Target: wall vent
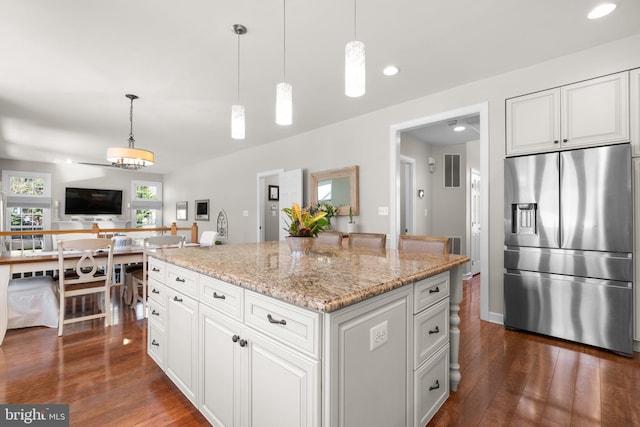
454, 245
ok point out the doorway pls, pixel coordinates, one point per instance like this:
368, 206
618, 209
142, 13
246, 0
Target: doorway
268, 210
481, 110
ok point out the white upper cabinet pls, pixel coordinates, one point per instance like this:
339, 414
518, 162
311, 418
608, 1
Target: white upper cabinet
634, 84
589, 113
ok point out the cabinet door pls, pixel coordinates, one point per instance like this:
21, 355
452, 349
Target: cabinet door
634, 105
182, 343
533, 123
596, 111
283, 386
220, 367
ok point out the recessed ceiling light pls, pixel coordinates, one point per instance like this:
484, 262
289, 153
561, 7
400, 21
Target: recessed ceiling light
390, 70
601, 10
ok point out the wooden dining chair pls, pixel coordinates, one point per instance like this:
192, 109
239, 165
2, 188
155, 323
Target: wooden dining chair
367, 240
90, 274
330, 237
416, 243
139, 278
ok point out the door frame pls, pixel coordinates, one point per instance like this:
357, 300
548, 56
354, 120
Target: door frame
472, 172
410, 204
482, 109
261, 191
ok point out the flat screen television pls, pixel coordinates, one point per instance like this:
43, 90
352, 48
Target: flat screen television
92, 201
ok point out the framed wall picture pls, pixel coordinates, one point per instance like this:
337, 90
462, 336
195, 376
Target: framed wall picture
274, 192
181, 211
202, 210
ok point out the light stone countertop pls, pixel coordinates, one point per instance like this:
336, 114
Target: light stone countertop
325, 280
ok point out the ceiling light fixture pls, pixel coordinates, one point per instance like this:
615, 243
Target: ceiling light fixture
237, 110
601, 10
130, 158
390, 70
354, 64
284, 91
458, 126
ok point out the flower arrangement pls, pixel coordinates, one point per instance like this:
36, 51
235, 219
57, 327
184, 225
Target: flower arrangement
303, 223
327, 208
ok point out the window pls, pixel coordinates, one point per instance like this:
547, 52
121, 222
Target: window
452, 171
28, 207
146, 203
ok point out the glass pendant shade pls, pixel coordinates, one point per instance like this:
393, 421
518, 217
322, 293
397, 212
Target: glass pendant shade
237, 121
354, 69
284, 104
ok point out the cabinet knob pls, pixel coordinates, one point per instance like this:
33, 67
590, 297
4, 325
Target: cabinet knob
556, 142
565, 140
243, 343
235, 338
272, 320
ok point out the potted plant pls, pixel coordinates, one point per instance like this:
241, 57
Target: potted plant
303, 227
327, 208
351, 226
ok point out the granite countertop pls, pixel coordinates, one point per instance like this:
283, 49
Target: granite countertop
325, 280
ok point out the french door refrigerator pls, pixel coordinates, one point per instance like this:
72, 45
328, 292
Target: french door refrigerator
568, 222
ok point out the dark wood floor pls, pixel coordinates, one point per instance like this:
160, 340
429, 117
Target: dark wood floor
508, 378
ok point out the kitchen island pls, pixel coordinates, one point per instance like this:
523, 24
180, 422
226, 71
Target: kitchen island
254, 335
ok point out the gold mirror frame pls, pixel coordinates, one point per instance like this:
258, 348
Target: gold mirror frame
352, 173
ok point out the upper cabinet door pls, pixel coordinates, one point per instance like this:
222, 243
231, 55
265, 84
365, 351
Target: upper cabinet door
634, 105
533, 123
596, 111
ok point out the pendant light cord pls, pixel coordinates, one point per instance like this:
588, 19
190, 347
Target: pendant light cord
238, 68
131, 140
284, 40
355, 37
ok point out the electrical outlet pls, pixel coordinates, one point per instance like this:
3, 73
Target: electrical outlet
383, 210
378, 335
245, 213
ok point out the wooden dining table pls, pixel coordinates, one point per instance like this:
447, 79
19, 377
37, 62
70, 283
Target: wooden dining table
12, 263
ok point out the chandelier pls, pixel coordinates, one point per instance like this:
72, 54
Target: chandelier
130, 158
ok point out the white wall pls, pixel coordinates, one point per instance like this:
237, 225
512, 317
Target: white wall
364, 141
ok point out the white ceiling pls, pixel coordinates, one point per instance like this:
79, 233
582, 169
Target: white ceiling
67, 64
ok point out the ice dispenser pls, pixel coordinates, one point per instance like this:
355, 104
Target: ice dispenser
523, 218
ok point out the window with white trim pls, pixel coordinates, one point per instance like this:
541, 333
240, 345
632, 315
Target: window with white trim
146, 203
27, 208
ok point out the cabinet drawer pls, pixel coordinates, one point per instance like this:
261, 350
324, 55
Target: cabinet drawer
292, 325
156, 269
156, 291
182, 279
431, 386
156, 342
156, 312
431, 331
429, 290
221, 296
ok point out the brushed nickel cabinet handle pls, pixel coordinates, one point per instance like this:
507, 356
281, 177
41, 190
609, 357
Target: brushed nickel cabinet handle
272, 320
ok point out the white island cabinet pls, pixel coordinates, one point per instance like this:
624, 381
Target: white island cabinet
375, 353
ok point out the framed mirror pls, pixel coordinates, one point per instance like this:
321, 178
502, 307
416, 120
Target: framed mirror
338, 187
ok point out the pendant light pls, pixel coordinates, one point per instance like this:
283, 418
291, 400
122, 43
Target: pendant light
237, 110
284, 91
130, 158
354, 64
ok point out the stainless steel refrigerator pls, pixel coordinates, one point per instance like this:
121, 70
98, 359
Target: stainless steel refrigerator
568, 222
